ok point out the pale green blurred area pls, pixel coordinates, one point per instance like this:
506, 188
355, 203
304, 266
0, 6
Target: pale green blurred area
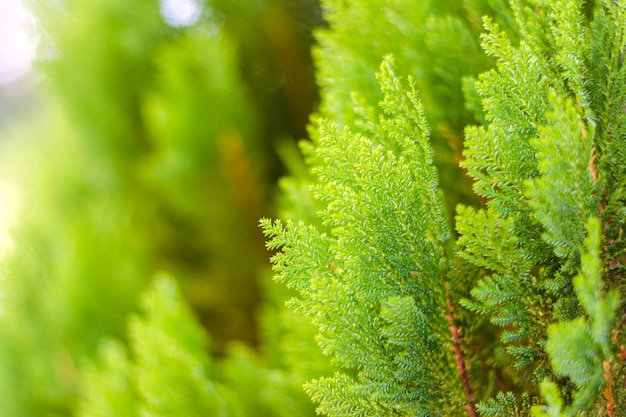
179, 106
148, 149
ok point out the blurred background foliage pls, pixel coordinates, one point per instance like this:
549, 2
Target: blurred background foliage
156, 147
154, 151
175, 129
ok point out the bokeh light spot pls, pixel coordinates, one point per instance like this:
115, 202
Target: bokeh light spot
18, 40
180, 12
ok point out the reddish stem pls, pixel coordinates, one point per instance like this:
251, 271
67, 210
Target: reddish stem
608, 390
460, 359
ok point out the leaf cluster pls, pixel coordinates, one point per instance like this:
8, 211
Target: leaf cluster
540, 267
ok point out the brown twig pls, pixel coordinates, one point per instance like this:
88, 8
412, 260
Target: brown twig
592, 164
460, 359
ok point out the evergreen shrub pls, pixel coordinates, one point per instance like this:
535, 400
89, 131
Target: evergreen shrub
451, 244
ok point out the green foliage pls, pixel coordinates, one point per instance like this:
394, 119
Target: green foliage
168, 350
409, 294
569, 199
383, 279
169, 340
375, 292
166, 370
434, 42
535, 163
52, 316
108, 388
578, 348
504, 404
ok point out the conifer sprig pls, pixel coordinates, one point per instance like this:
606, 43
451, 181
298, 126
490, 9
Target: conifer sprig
582, 349
532, 164
380, 301
536, 162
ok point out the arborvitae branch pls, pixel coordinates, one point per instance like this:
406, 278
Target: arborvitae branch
373, 284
